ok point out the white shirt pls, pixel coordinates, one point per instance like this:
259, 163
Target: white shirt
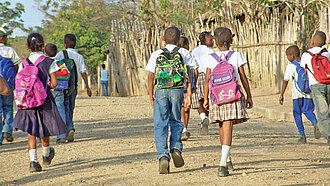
306, 58
9, 52
33, 58
236, 60
186, 56
290, 73
78, 59
200, 52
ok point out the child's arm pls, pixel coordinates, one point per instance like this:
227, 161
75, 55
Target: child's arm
187, 102
4, 89
284, 85
245, 83
84, 76
195, 76
206, 89
151, 88
53, 78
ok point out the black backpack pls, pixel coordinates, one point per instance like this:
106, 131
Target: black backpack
73, 80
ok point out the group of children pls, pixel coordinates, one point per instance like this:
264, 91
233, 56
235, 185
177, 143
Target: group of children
204, 62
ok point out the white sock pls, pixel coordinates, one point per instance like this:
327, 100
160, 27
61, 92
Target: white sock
45, 151
184, 129
229, 156
224, 155
202, 115
33, 155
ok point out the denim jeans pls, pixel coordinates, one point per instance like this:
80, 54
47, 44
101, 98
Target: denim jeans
321, 98
59, 100
303, 106
167, 113
104, 84
69, 104
6, 108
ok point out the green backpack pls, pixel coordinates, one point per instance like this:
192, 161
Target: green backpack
170, 71
73, 80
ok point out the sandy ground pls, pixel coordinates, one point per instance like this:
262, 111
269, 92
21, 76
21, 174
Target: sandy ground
114, 145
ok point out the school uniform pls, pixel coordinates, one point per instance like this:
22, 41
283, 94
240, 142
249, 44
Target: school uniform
320, 93
167, 108
45, 120
302, 102
235, 111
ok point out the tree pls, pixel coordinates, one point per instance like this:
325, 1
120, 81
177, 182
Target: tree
11, 16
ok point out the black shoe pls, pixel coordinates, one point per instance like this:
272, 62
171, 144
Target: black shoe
223, 171
317, 133
177, 158
60, 140
48, 160
230, 165
164, 165
185, 136
205, 126
35, 166
70, 135
302, 139
8, 137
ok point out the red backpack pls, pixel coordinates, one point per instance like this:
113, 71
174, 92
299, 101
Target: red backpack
321, 67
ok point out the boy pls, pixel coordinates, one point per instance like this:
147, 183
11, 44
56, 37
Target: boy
302, 102
199, 53
50, 51
7, 102
167, 104
320, 92
69, 42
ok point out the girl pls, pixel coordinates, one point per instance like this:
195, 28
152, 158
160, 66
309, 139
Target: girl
185, 112
45, 120
231, 113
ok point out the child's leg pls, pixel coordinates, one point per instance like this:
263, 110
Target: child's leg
296, 108
186, 118
32, 148
201, 110
225, 130
308, 110
183, 115
45, 146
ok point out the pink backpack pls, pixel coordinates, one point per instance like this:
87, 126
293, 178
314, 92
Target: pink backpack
29, 91
223, 84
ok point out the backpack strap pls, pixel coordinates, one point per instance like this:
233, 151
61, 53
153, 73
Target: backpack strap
229, 55
295, 63
176, 49
42, 57
215, 56
65, 53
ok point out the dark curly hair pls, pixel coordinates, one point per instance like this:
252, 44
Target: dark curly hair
35, 42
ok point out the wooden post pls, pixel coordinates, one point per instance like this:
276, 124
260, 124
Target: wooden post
99, 91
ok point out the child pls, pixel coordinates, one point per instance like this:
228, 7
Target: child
42, 121
185, 112
104, 81
167, 103
302, 102
50, 51
320, 92
231, 113
206, 40
69, 42
7, 101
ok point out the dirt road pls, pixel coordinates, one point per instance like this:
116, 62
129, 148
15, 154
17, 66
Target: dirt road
114, 145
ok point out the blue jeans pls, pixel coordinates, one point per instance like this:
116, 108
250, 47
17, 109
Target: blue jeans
321, 98
59, 100
306, 106
6, 108
104, 84
167, 113
69, 104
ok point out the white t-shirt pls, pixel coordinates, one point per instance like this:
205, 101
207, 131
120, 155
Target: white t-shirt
33, 58
290, 73
78, 59
236, 60
8, 52
306, 58
200, 52
186, 56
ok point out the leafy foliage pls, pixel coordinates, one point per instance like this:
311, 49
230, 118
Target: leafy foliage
11, 16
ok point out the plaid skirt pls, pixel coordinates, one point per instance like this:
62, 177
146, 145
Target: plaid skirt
200, 86
235, 111
194, 100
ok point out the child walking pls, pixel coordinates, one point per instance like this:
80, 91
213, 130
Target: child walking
320, 91
42, 121
168, 98
302, 102
226, 115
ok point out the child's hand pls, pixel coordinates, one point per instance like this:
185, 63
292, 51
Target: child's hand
281, 100
89, 92
206, 104
152, 100
249, 103
187, 103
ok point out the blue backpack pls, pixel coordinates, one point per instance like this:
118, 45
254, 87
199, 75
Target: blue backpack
301, 83
192, 80
8, 71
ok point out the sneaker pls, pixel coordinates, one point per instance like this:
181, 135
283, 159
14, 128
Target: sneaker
317, 133
223, 171
35, 166
164, 165
48, 160
70, 135
302, 139
8, 137
205, 126
230, 165
60, 140
177, 158
185, 136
